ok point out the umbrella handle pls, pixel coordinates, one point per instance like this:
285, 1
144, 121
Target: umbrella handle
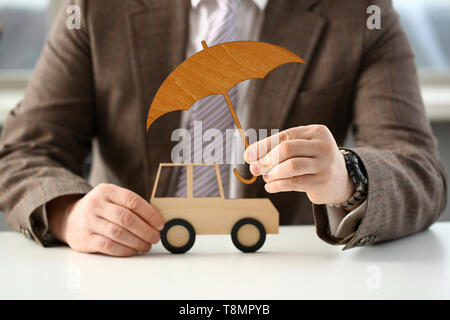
243, 180
241, 132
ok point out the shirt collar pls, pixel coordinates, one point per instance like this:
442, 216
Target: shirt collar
260, 3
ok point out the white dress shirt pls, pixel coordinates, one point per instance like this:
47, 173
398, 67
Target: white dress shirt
249, 19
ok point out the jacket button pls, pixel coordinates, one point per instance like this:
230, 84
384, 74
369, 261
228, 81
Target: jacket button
362, 241
27, 234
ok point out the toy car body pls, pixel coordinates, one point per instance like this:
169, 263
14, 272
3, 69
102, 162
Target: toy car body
247, 220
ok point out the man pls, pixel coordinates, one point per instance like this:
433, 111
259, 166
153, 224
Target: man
96, 83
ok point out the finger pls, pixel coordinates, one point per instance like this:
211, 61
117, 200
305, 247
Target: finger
262, 147
130, 221
120, 235
299, 183
282, 152
102, 244
291, 168
135, 203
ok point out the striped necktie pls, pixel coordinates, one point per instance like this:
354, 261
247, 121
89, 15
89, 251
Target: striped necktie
212, 112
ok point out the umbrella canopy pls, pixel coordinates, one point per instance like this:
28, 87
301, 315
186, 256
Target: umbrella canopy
215, 70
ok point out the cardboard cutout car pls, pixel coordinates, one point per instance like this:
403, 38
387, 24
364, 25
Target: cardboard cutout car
247, 220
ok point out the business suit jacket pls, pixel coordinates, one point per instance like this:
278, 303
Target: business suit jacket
96, 84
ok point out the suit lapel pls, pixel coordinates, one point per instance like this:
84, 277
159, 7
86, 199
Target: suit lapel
290, 25
157, 33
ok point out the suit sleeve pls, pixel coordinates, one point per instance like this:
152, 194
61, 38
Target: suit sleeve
48, 135
407, 182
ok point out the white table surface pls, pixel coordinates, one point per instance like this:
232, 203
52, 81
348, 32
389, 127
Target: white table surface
295, 264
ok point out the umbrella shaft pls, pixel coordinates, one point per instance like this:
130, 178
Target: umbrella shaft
236, 120
241, 132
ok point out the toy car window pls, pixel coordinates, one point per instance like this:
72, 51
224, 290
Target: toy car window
178, 190
205, 182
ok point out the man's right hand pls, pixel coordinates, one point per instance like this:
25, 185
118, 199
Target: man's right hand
109, 220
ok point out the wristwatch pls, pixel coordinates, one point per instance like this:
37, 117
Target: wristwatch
358, 175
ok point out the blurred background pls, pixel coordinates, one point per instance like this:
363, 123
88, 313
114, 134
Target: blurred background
25, 25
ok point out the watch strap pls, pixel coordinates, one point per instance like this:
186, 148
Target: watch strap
359, 179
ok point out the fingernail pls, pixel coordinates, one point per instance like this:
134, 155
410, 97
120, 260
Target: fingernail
254, 168
266, 162
249, 155
160, 226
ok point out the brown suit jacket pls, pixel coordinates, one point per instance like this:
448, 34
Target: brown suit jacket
93, 87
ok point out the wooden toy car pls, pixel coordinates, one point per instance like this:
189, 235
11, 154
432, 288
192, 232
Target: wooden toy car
247, 220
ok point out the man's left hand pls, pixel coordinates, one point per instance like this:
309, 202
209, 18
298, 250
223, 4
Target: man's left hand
305, 159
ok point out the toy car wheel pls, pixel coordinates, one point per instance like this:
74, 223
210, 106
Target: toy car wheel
248, 235
178, 236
